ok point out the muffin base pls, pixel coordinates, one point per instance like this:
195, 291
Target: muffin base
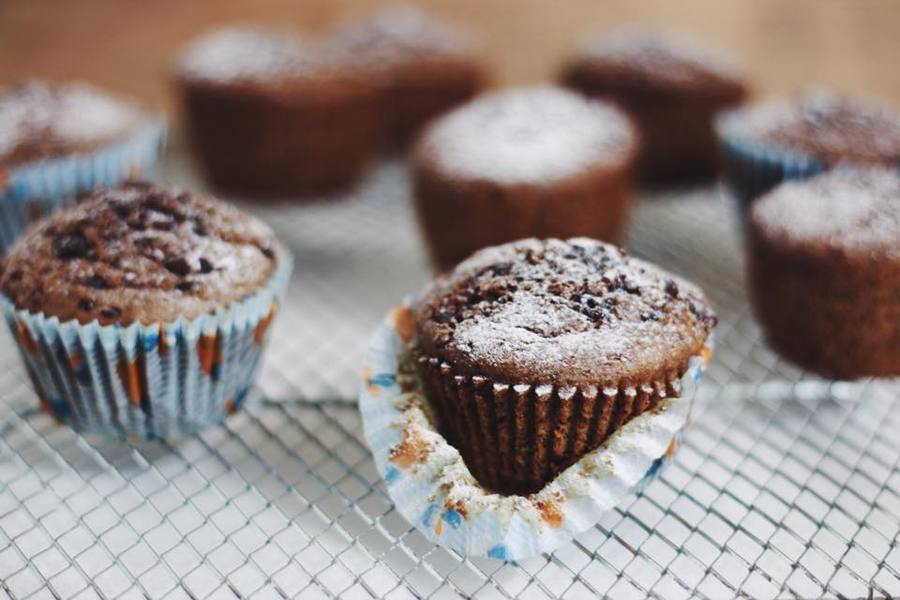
826, 313
459, 217
516, 437
159, 380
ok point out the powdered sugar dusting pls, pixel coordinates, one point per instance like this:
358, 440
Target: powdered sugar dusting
528, 135
401, 33
849, 209
246, 52
665, 57
822, 123
58, 115
578, 307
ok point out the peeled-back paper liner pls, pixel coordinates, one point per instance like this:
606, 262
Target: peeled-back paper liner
38, 188
433, 489
753, 168
161, 380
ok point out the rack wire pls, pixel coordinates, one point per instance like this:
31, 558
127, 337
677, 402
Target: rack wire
786, 485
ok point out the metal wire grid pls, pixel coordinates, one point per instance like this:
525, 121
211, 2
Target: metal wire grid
785, 485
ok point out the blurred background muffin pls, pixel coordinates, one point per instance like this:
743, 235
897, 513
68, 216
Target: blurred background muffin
824, 271
424, 65
671, 86
60, 139
270, 113
797, 137
537, 161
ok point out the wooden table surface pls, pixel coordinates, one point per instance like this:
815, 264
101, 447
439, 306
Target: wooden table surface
128, 45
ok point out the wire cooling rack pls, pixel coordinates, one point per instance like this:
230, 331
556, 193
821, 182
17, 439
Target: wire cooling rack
785, 486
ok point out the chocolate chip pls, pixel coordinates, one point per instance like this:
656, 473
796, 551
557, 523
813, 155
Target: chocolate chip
163, 225
86, 304
122, 211
97, 282
179, 266
671, 288
15, 276
205, 266
70, 245
185, 286
110, 312
201, 230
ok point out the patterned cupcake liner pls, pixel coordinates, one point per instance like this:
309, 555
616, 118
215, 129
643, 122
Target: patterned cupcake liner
38, 188
431, 485
751, 168
160, 380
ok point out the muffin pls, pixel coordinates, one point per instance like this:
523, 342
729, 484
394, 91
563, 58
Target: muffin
824, 271
300, 121
532, 353
769, 142
539, 161
61, 139
423, 65
142, 310
671, 87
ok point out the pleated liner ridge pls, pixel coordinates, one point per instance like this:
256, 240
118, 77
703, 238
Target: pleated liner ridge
159, 380
515, 438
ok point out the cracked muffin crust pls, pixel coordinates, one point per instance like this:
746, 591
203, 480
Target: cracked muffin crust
139, 253
545, 347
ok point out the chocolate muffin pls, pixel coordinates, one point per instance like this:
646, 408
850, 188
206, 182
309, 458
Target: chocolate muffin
538, 161
143, 309
532, 353
671, 87
824, 271
58, 140
272, 114
423, 65
797, 138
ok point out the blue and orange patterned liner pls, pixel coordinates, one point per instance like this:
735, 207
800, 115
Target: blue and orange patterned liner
35, 189
432, 488
148, 381
751, 168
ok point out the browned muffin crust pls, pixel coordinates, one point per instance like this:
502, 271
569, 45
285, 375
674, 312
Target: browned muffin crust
40, 119
571, 312
824, 270
139, 253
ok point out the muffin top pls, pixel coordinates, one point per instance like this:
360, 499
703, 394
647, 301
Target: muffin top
847, 212
643, 60
139, 253
529, 135
403, 34
39, 119
576, 312
266, 58
823, 124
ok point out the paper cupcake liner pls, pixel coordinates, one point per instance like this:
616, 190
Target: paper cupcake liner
160, 380
433, 488
751, 169
514, 437
39, 188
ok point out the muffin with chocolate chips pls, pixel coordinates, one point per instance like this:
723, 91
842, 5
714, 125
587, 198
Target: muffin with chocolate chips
143, 309
533, 353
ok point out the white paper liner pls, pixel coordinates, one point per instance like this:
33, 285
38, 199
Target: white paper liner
433, 489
